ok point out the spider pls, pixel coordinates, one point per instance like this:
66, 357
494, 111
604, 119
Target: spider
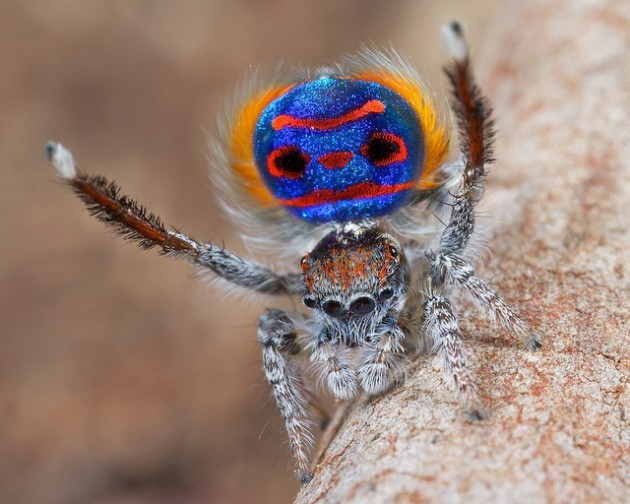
349, 163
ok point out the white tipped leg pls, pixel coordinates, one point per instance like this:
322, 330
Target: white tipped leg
454, 41
62, 160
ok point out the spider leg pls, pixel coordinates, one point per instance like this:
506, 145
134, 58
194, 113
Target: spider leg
133, 222
476, 134
382, 363
278, 335
335, 367
486, 298
440, 324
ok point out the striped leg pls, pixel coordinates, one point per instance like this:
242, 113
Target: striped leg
278, 336
441, 326
476, 134
486, 298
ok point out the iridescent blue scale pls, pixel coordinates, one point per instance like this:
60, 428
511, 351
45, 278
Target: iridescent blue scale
336, 149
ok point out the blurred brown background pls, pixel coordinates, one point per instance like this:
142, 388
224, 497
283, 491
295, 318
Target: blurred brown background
122, 378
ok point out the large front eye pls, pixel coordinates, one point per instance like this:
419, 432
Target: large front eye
333, 308
288, 161
362, 305
383, 149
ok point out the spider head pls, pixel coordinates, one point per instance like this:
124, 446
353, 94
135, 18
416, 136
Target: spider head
354, 275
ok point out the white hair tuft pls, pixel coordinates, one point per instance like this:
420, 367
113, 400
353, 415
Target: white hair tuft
454, 41
62, 160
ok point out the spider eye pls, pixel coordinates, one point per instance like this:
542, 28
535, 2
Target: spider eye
288, 161
309, 302
383, 149
393, 251
333, 308
386, 294
362, 305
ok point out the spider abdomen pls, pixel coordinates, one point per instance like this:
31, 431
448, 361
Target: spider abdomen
354, 143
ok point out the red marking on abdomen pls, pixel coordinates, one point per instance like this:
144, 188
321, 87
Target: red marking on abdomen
288, 121
335, 159
357, 191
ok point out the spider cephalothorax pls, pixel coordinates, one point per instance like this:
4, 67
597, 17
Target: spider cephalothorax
354, 277
341, 156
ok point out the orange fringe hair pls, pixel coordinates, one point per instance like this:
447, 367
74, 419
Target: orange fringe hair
241, 132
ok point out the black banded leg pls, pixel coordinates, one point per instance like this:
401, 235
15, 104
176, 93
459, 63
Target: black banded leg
278, 336
486, 298
440, 323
